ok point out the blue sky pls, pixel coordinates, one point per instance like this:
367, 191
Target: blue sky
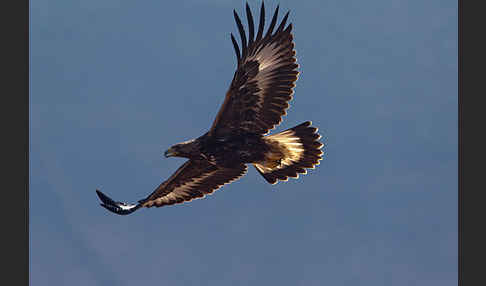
113, 84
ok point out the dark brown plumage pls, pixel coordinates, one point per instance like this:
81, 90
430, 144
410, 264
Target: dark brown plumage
257, 99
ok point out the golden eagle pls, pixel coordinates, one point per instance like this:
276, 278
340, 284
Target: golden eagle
256, 100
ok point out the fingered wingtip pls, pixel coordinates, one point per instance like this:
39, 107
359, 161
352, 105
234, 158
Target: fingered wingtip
104, 198
119, 208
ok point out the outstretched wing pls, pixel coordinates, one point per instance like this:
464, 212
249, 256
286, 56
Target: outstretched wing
194, 179
264, 80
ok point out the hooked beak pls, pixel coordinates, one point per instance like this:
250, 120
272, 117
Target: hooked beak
169, 153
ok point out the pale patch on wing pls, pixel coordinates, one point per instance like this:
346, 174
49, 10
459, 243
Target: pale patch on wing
127, 206
193, 181
188, 141
268, 56
269, 59
183, 191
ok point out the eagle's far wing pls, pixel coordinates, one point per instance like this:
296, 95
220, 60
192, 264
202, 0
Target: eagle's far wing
264, 80
192, 180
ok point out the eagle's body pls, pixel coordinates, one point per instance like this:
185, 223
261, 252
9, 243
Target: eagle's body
257, 99
229, 150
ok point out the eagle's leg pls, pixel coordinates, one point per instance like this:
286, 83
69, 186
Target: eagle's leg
273, 163
272, 160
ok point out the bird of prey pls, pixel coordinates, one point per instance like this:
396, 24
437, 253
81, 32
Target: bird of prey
254, 104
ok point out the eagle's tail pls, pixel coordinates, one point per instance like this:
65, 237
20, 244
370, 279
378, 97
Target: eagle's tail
290, 153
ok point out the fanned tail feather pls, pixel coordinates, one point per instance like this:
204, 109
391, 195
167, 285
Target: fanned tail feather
291, 152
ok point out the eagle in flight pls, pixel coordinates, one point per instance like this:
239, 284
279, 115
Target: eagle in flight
254, 104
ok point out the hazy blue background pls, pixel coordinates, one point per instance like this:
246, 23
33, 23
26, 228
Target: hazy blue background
115, 83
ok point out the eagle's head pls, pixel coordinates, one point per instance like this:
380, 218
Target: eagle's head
187, 149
